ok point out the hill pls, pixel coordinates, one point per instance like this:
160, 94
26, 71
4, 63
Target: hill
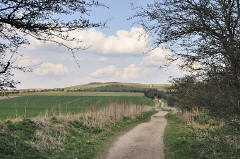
95, 87
116, 86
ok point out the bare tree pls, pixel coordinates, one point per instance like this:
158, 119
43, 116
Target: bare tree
42, 19
206, 32
203, 32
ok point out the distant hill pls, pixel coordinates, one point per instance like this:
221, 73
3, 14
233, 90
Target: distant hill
97, 87
116, 87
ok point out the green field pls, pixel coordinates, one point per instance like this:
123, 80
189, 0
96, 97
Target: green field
66, 136
64, 93
31, 106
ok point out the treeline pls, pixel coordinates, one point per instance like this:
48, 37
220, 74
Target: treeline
155, 93
10, 92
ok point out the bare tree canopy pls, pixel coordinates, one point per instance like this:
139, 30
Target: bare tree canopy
206, 34
42, 19
207, 31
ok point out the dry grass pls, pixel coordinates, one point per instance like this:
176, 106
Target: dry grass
96, 118
92, 117
16, 119
188, 116
7, 97
100, 117
50, 136
199, 119
44, 140
2, 127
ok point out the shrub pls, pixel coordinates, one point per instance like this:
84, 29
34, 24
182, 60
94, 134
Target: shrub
154, 93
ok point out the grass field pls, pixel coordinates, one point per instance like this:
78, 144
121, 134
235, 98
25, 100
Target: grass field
67, 125
32, 106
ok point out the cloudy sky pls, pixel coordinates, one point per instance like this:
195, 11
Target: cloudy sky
118, 52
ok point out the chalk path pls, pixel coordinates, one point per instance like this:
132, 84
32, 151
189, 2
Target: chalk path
145, 141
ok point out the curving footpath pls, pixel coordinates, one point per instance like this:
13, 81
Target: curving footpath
145, 141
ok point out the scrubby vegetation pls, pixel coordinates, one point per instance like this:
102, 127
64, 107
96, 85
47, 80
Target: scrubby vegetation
200, 136
154, 93
208, 122
220, 98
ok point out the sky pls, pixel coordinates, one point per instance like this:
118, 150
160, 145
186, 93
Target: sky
117, 53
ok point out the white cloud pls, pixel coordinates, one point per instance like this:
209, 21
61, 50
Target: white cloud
102, 59
51, 69
130, 72
124, 42
157, 57
26, 61
103, 72
131, 42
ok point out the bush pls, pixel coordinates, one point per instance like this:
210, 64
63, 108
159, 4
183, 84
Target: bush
219, 98
154, 93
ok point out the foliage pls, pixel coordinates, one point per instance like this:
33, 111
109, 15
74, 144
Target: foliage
190, 93
154, 93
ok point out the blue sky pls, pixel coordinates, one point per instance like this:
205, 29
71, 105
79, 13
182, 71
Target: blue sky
116, 53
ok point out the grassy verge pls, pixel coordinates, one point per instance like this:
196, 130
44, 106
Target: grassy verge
177, 140
202, 138
66, 137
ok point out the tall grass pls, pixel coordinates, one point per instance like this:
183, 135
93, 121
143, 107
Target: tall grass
199, 135
95, 117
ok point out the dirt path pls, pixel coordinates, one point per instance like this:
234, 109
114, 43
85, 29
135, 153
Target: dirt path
145, 141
